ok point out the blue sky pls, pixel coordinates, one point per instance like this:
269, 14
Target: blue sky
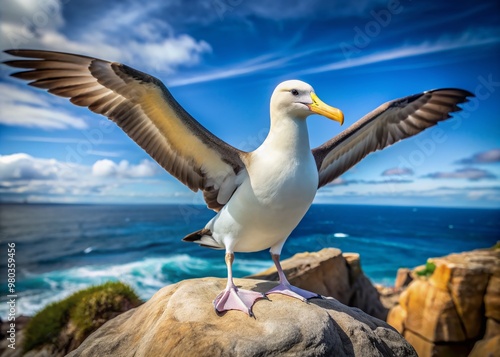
221, 59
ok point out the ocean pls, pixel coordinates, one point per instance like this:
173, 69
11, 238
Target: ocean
64, 248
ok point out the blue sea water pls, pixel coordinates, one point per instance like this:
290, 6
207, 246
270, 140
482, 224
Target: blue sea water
63, 248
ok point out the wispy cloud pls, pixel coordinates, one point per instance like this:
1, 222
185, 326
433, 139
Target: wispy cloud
105, 153
398, 171
258, 64
295, 57
470, 174
56, 140
466, 40
343, 182
416, 194
44, 139
485, 157
21, 107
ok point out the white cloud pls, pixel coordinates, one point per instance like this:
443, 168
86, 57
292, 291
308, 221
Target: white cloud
167, 54
104, 168
101, 38
48, 180
22, 107
34, 13
149, 31
144, 169
14, 94
25, 167
338, 181
108, 168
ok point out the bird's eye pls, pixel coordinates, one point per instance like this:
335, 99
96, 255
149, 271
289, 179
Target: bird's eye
294, 92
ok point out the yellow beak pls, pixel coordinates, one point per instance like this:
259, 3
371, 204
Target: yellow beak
321, 108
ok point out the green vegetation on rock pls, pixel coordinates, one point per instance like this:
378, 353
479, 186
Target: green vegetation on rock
428, 270
85, 311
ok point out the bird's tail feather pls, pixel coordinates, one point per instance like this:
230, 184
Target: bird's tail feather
204, 238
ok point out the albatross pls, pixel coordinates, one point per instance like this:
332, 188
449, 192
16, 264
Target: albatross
259, 196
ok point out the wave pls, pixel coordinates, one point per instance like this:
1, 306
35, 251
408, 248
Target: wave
146, 277
340, 235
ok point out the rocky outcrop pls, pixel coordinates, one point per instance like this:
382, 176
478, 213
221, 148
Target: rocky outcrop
60, 327
331, 273
179, 320
454, 309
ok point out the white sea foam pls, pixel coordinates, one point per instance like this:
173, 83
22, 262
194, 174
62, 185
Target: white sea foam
340, 235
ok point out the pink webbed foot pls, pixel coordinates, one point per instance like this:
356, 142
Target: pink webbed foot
285, 288
293, 291
233, 298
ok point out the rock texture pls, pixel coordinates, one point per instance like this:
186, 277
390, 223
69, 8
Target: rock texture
5, 351
455, 309
179, 320
331, 273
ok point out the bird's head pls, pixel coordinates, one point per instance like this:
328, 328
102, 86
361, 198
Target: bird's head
297, 99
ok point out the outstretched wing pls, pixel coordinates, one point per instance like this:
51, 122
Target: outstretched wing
144, 109
386, 125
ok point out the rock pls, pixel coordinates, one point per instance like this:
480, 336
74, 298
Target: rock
366, 297
331, 273
179, 320
430, 313
454, 308
426, 348
324, 272
490, 344
492, 328
465, 277
403, 278
487, 348
397, 317
492, 298
389, 296
21, 322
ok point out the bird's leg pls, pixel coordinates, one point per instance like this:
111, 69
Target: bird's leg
285, 288
232, 298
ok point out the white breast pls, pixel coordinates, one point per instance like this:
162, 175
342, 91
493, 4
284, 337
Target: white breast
268, 205
279, 189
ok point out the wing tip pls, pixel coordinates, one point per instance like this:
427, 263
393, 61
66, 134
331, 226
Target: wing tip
460, 92
11, 52
21, 52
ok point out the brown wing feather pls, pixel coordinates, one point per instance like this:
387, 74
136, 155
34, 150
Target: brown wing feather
386, 125
144, 108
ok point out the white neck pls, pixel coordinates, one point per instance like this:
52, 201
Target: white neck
289, 136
